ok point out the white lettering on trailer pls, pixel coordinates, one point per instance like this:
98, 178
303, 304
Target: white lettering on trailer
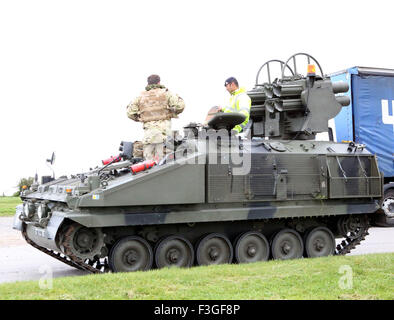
386, 118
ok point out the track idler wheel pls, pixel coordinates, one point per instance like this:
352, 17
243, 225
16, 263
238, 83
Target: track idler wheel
354, 226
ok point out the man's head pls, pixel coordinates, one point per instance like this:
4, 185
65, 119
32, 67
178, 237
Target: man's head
231, 84
153, 79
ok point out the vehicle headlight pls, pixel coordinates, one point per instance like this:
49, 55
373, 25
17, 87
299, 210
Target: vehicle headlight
26, 209
29, 209
42, 211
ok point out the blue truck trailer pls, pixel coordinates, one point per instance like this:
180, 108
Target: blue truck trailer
369, 120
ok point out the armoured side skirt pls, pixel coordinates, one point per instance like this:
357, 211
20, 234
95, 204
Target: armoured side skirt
213, 214
45, 237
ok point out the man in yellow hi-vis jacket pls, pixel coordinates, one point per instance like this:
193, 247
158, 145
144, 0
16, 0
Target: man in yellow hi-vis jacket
239, 102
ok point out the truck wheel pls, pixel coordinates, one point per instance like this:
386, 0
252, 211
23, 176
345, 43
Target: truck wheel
386, 218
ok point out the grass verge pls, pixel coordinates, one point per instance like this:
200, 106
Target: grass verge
353, 277
7, 206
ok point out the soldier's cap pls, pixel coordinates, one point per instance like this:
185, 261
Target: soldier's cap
231, 80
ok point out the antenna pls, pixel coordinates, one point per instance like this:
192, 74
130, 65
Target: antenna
50, 163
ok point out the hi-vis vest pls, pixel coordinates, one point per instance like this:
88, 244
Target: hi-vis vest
240, 102
153, 105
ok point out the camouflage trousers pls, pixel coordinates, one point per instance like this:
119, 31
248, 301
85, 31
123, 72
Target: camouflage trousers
138, 149
154, 151
155, 134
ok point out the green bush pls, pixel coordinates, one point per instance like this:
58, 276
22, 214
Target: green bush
23, 182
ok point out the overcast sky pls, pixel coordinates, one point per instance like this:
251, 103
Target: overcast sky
69, 68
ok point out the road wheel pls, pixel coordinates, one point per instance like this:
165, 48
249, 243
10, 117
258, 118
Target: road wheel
131, 253
174, 251
287, 244
251, 247
214, 248
320, 242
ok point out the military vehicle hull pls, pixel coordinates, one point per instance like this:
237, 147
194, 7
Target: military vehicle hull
291, 187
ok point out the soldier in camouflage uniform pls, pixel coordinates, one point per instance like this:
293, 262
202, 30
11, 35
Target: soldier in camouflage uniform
154, 108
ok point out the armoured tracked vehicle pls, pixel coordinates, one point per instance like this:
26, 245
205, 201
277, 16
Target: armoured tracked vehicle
217, 197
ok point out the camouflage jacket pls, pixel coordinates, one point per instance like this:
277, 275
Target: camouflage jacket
155, 103
155, 107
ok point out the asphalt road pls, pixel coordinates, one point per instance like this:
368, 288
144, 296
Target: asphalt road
20, 261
